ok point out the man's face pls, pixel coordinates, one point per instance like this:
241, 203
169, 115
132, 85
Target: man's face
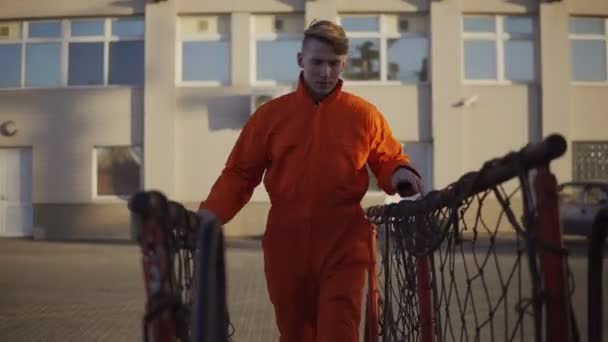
321, 67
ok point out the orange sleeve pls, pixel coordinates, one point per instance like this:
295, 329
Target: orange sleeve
242, 173
386, 153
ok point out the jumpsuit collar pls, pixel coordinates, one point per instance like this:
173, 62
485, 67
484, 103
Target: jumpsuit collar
303, 92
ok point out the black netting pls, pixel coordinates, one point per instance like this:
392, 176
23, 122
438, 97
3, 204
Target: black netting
167, 233
463, 262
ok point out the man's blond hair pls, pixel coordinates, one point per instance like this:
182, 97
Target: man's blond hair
329, 33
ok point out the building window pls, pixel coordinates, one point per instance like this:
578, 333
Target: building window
126, 52
588, 38
79, 52
43, 54
86, 52
387, 48
205, 50
499, 49
118, 170
590, 160
278, 39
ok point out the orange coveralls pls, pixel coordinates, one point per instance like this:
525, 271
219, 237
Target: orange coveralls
318, 243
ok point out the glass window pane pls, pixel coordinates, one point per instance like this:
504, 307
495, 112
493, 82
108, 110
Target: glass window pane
519, 25
479, 24
408, 59
206, 61
587, 25
588, 60
519, 60
85, 64
44, 29
82, 28
127, 62
360, 24
479, 59
276, 60
118, 170
128, 27
10, 65
43, 64
363, 60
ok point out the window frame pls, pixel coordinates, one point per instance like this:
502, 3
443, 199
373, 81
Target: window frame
589, 37
87, 39
64, 40
22, 47
181, 38
383, 35
267, 36
95, 196
499, 37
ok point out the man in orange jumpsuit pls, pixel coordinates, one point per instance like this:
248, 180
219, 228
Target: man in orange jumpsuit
313, 145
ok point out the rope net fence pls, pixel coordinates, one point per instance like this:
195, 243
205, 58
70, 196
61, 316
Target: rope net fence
476, 260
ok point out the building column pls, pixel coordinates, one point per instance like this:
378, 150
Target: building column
321, 10
159, 98
446, 71
555, 79
241, 47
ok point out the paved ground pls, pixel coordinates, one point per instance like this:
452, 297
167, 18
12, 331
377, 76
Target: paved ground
94, 291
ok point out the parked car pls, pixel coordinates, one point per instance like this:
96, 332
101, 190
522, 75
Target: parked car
579, 204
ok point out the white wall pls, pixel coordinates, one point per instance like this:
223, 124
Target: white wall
503, 119
588, 113
227, 6
63, 126
69, 8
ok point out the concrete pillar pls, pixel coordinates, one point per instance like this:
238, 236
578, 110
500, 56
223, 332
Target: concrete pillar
555, 78
321, 10
241, 47
159, 102
446, 82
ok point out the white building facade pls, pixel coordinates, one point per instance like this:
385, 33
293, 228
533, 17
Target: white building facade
101, 98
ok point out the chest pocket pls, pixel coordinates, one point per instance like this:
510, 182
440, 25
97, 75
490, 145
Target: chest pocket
351, 147
287, 151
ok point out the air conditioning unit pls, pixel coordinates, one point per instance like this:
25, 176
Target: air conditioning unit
259, 97
258, 100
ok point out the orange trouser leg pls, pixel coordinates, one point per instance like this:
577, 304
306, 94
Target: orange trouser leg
340, 299
294, 300
293, 292
292, 326
319, 310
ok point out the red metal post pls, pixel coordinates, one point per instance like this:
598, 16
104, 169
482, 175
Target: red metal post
371, 332
552, 262
160, 323
425, 299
